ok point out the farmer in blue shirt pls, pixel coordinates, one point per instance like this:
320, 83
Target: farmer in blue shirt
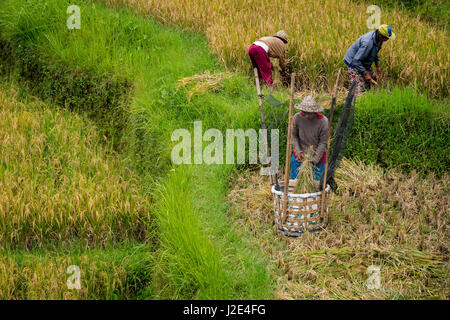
363, 53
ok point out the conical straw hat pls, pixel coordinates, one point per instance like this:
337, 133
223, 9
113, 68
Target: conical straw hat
282, 35
309, 105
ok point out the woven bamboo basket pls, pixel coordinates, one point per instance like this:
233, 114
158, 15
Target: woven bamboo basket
303, 211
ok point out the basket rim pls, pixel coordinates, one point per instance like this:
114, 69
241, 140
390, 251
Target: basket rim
300, 195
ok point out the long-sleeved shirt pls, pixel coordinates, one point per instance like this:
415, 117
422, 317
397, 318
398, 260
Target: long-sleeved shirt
364, 52
276, 49
310, 132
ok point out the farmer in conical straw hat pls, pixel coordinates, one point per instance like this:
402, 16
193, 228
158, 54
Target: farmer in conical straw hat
310, 128
265, 47
363, 53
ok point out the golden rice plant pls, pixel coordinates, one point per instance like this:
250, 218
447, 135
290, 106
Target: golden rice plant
320, 31
305, 178
32, 277
57, 183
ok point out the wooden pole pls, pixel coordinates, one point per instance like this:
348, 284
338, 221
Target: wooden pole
330, 121
287, 167
263, 122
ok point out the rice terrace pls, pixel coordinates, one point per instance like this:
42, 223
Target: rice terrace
224, 150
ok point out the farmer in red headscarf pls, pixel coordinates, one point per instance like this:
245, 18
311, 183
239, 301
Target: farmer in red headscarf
310, 128
262, 49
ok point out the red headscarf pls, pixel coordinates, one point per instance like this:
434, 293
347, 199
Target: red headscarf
319, 115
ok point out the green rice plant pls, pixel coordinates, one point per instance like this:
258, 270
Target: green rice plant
189, 261
200, 244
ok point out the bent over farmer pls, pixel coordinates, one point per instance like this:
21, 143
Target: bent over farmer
310, 128
265, 48
363, 53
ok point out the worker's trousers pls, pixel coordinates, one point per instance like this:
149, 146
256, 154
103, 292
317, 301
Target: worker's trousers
260, 59
319, 169
356, 75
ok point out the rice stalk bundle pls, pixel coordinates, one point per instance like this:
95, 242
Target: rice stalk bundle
305, 177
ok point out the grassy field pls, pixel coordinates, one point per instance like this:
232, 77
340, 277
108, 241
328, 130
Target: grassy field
154, 107
66, 200
319, 33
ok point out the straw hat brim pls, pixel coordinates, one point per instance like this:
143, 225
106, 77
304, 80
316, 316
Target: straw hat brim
308, 107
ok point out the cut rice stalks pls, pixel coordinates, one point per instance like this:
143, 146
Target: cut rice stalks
203, 83
380, 220
305, 178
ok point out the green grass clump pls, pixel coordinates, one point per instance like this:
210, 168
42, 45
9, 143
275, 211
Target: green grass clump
402, 129
189, 261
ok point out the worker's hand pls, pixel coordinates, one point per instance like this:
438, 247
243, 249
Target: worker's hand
367, 76
299, 157
379, 73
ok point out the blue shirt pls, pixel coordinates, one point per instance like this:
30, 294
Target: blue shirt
363, 52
